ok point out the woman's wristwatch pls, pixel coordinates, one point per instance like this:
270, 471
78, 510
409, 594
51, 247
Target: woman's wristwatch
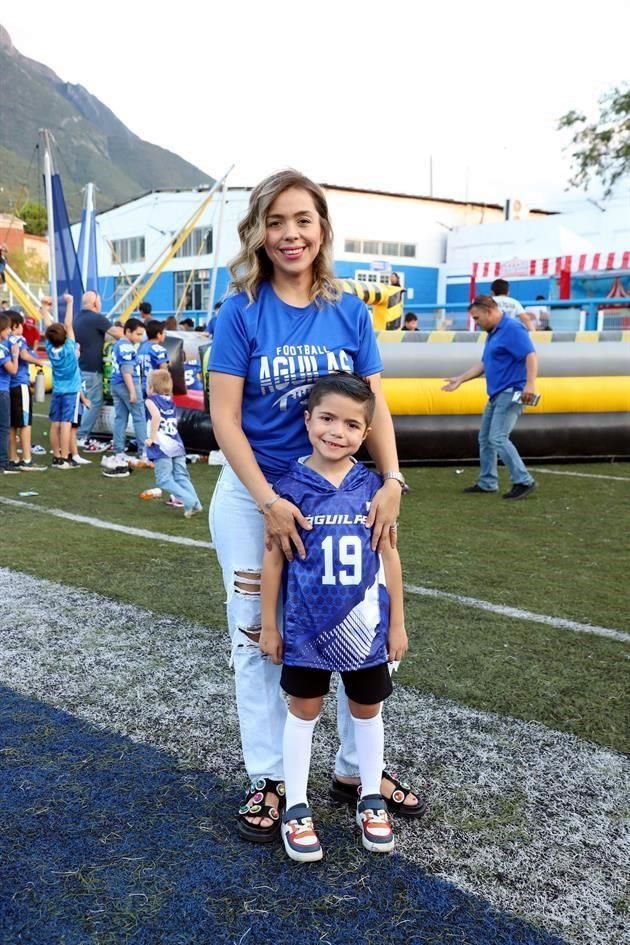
400, 479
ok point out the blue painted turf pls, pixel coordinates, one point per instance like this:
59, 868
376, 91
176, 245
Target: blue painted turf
106, 841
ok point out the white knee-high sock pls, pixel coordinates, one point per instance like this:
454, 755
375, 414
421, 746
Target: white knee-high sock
370, 739
296, 747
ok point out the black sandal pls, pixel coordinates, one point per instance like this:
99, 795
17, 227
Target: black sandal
350, 794
253, 806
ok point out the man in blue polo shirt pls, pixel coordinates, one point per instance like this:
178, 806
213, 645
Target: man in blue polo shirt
510, 365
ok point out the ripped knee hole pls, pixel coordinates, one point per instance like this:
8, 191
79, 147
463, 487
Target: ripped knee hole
247, 583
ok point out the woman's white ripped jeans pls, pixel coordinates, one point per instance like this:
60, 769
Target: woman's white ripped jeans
237, 531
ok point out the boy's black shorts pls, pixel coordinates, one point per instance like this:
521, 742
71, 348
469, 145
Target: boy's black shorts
21, 406
365, 686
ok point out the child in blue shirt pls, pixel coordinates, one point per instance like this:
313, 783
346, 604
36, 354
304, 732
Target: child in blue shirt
9, 355
342, 609
21, 399
152, 354
126, 389
67, 396
164, 444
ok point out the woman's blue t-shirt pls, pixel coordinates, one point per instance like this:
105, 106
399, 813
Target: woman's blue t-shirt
281, 351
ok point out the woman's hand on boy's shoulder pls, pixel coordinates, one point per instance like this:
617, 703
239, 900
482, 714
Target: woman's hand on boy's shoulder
397, 643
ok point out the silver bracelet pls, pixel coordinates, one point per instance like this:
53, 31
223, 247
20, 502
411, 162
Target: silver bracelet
267, 505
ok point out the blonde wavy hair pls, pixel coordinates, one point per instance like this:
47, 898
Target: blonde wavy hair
252, 265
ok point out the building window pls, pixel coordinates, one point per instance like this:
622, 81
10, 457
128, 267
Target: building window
195, 289
129, 250
121, 286
369, 275
380, 248
197, 243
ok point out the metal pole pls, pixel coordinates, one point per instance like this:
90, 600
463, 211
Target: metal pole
215, 252
168, 251
89, 213
52, 264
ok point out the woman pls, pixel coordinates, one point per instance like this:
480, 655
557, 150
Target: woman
287, 324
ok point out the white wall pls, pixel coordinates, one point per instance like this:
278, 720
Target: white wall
358, 215
157, 217
355, 214
563, 234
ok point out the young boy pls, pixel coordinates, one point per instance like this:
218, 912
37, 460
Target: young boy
62, 351
127, 396
342, 609
21, 399
152, 354
9, 355
164, 444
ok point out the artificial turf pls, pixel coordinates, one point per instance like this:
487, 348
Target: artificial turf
561, 552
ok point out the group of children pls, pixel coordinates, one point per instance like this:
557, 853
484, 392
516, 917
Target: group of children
141, 386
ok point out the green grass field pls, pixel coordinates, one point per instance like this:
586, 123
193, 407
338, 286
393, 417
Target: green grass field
562, 552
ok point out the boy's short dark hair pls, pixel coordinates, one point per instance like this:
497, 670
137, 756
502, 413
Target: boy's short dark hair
346, 384
4, 320
411, 317
145, 307
500, 287
153, 328
15, 318
132, 323
56, 334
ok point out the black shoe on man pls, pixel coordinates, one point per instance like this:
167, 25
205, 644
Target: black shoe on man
520, 489
477, 490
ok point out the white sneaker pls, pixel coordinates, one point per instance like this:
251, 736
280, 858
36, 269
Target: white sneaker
298, 835
377, 835
81, 461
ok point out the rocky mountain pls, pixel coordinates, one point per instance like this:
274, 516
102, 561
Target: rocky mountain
92, 143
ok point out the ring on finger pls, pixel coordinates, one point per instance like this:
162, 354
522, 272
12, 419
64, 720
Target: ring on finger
394, 527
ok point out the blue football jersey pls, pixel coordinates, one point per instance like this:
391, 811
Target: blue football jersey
335, 602
169, 442
124, 352
151, 356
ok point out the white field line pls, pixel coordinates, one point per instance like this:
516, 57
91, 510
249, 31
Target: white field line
515, 612
109, 526
563, 472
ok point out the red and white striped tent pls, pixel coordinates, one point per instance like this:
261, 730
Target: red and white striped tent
562, 266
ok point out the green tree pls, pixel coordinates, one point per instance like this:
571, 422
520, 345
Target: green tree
601, 149
29, 266
34, 216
